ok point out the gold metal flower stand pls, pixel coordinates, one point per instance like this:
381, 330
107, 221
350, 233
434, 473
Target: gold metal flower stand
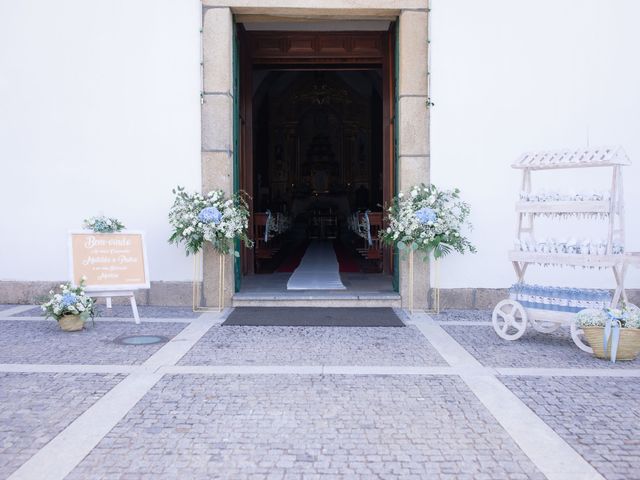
197, 283
436, 288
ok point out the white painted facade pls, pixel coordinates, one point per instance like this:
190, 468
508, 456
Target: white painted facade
100, 113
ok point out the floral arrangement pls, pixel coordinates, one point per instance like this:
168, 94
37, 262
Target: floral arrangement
281, 225
196, 218
102, 224
628, 316
70, 301
428, 220
360, 225
277, 224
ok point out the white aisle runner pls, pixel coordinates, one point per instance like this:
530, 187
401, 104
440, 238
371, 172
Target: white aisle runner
318, 269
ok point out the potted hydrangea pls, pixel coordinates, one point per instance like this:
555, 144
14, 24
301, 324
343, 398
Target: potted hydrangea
612, 333
428, 220
71, 307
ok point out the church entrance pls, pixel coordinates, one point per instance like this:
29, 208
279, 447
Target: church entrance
316, 145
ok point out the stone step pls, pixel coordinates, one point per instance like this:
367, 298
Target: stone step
304, 299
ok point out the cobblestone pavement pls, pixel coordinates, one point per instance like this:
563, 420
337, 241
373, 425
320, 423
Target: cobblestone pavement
35, 407
599, 417
375, 419
533, 349
463, 316
43, 342
231, 345
124, 311
201, 427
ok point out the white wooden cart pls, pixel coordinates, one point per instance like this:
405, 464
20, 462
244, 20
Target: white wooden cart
510, 317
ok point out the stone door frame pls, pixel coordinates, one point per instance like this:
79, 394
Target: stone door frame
217, 138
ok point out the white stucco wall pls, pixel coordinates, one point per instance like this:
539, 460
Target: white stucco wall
512, 76
100, 112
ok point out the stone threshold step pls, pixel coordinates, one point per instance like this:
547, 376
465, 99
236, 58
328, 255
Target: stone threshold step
316, 300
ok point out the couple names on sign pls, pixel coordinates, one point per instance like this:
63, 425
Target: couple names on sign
113, 264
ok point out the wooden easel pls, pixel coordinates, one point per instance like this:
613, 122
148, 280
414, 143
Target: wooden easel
130, 295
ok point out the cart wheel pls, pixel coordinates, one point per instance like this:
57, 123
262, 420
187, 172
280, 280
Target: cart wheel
509, 319
544, 327
577, 334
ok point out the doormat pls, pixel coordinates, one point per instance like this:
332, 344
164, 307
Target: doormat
314, 317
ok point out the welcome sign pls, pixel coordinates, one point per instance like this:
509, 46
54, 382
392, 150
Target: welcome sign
109, 261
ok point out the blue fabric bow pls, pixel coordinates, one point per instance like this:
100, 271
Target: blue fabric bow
366, 219
266, 229
611, 329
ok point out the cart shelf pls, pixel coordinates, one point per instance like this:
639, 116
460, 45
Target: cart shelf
587, 206
572, 259
550, 315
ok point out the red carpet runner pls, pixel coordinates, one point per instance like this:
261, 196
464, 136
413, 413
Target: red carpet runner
346, 258
292, 261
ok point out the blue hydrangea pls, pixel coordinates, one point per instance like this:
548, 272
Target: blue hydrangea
68, 299
210, 215
100, 226
426, 215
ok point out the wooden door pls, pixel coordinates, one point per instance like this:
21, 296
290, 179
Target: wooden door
246, 139
388, 131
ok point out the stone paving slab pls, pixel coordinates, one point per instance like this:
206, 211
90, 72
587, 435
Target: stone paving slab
35, 407
598, 417
124, 311
5, 306
463, 316
233, 345
533, 349
44, 343
292, 426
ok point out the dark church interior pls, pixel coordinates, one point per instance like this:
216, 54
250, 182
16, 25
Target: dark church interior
317, 153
